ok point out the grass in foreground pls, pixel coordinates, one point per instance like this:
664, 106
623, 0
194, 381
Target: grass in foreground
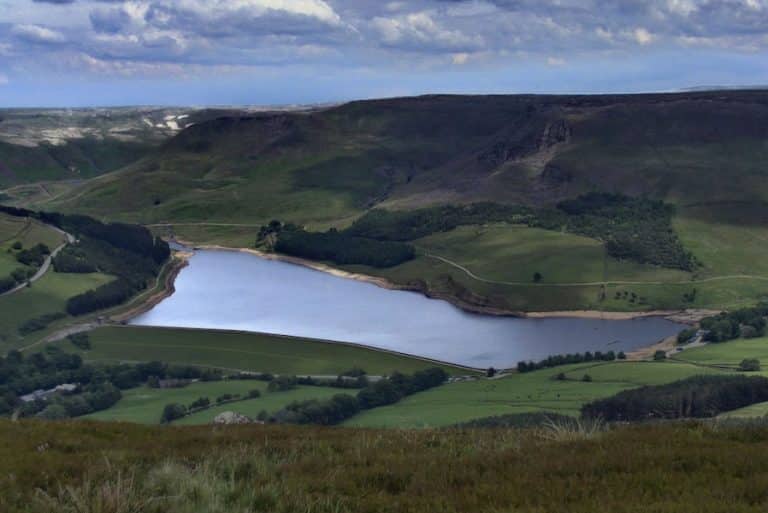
675, 468
246, 351
145, 405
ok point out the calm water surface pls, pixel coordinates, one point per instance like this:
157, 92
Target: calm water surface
231, 290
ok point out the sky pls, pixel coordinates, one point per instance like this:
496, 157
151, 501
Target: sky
268, 52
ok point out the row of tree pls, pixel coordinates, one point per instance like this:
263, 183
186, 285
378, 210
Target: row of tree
343, 406
565, 359
340, 248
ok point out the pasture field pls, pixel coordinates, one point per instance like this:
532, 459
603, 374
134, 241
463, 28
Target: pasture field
269, 402
751, 411
145, 405
246, 351
47, 295
26, 231
727, 354
518, 393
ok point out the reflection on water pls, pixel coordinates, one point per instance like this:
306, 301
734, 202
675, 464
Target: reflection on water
231, 290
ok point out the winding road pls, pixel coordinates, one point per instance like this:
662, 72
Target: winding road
68, 239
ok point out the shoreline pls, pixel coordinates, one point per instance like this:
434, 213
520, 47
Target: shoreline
683, 316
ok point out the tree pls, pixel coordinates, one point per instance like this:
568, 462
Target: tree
54, 412
491, 372
587, 378
537, 277
660, 355
172, 412
253, 394
749, 365
686, 335
560, 376
621, 355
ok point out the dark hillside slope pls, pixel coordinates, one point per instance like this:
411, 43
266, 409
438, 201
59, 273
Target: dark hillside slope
328, 166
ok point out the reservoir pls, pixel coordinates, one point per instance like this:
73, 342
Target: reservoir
240, 291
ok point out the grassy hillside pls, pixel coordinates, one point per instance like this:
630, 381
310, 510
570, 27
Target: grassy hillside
218, 180
252, 352
326, 166
43, 145
674, 468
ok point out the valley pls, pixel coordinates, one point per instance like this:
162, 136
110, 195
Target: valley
547, 207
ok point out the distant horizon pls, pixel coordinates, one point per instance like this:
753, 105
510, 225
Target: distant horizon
322, 104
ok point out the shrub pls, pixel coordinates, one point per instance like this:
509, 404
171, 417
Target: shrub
253, 394
586, 378
660, 355
686, 335
80, 340
749, 365
40, 323
172, 412
282, 383
199, 403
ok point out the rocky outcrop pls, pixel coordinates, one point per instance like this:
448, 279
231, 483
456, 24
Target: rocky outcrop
231, 417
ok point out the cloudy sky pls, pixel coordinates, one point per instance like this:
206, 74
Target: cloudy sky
113, 52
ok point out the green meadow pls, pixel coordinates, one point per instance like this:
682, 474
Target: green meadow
519, 393
145, 405
253, 352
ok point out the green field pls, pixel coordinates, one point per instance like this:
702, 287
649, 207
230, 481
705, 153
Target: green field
246, 351
727, 354
47, 295
26, 231
534, 391
144, 405
753, 410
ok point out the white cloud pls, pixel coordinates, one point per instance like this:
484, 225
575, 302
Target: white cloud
312, 8
460, 58
642, 36
682, 7
38, 34
420, 30
555, 61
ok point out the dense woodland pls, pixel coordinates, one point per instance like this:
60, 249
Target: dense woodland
637, 229
695, 397
343, 249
